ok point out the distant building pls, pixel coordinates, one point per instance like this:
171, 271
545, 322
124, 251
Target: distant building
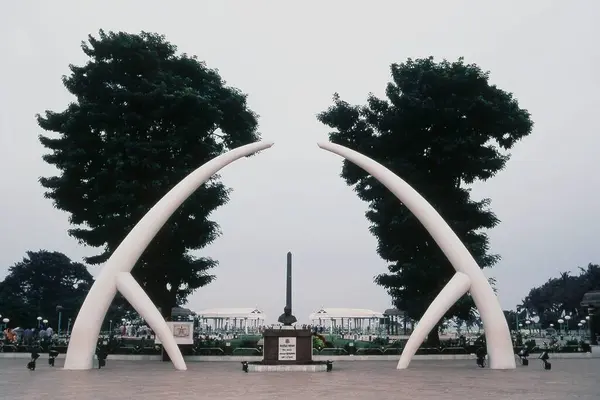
591, 301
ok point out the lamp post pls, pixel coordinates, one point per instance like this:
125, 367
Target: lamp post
5, 321
528, 322
45, 322
39, 321
567, 318
109, 327
561, 322
592, 324
59, 311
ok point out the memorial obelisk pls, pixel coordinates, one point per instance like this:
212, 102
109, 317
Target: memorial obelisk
287, 319
287, 347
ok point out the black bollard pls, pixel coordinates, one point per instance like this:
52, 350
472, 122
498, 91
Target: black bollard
480, 353
31, 364
545, 357
52, 354
524, 356
102, 355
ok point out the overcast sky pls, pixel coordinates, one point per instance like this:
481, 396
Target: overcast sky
290, 60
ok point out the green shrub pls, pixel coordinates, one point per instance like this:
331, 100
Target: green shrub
318, 343
379, 341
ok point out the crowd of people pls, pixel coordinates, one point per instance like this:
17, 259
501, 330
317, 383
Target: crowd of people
28, 336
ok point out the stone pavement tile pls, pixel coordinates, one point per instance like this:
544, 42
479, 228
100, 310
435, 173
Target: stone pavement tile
371, 380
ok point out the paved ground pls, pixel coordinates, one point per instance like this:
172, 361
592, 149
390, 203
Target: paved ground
377, 380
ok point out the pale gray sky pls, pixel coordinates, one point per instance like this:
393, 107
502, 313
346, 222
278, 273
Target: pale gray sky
291, 58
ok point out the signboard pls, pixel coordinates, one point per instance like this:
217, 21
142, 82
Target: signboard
183, 332
287, 349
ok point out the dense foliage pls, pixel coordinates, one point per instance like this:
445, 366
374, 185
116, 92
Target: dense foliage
143, 118
38, 284
442, 127
562, 295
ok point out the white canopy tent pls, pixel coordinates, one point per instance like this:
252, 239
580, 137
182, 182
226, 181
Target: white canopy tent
232, 319
346, 319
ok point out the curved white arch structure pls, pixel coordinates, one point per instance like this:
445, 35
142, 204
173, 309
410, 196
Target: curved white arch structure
115, 275
469, 276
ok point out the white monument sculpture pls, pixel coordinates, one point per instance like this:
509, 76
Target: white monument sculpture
468, 274
115, 275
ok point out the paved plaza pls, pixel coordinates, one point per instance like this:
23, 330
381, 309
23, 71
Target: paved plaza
424, 380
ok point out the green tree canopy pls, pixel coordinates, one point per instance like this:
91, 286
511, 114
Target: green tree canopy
562, 294
442, 127
39, 283
143, 118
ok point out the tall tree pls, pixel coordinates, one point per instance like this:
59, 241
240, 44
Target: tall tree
562, 294
39, 283
144, 117
442, 127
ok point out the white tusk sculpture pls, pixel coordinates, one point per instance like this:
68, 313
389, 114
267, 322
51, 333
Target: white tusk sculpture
499, 343
115, 273
450, 294
139, 300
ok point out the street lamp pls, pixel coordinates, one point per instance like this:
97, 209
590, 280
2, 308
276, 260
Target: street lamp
39, 320
6, 321
45, 322
528, 322
59, 309
567, 318
560, 322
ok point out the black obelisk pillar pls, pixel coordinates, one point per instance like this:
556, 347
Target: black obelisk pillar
287, 318
288, 288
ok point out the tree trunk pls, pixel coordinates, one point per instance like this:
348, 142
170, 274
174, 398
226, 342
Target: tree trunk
433, 339
165, 305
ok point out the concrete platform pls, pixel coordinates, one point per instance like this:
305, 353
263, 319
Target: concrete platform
287, 368
432, 380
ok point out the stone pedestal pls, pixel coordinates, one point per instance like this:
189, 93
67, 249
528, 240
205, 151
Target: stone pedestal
287, 346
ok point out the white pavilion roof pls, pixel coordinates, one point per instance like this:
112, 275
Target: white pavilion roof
334, 313
250, 313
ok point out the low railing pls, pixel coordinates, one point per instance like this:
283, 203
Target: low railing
250, 346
